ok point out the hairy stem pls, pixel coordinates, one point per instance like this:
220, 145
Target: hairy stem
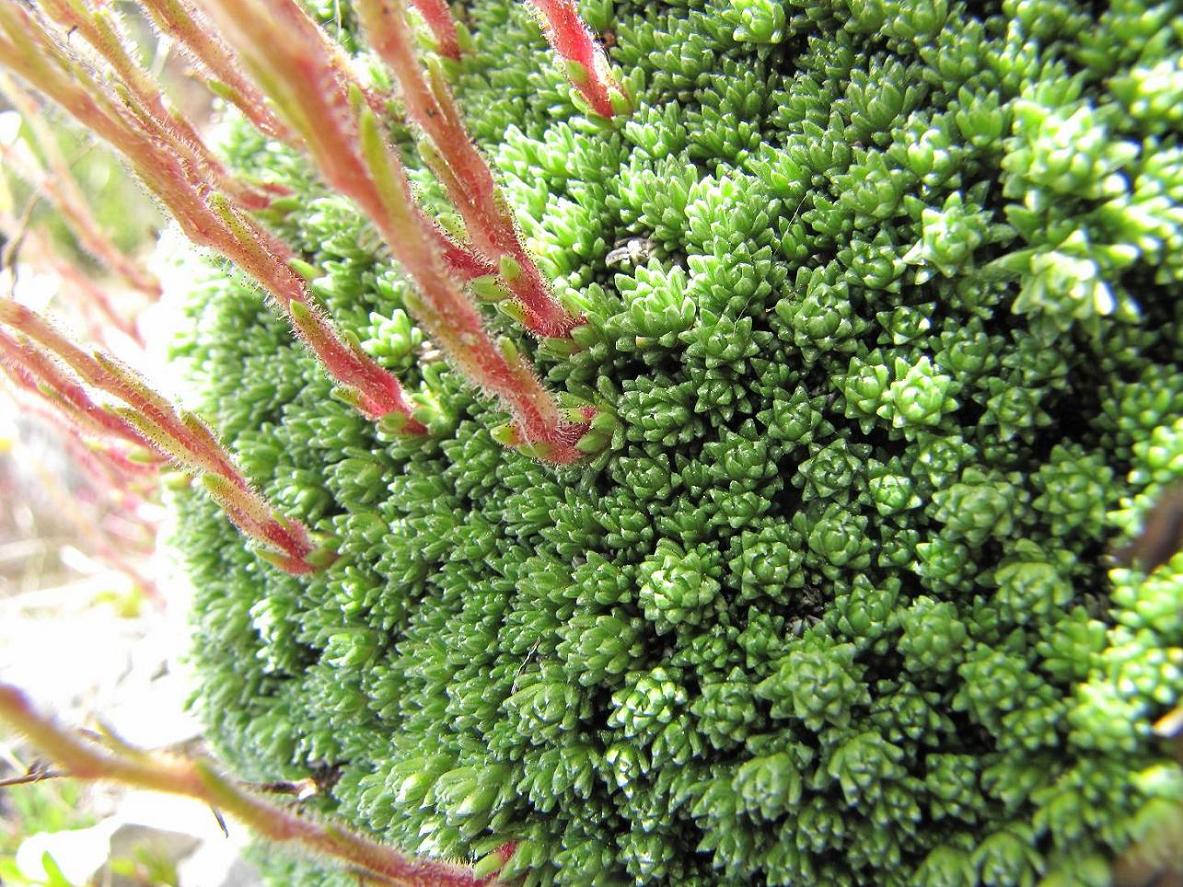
101, 28
32, 370
587, 66
148, 420
468, 178
443, 26
208, 217
296, 68
200, 780
59, 186
181, 21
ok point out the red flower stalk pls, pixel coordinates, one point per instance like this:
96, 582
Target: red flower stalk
106, 374
129, 479
587, 66
443, 26
372, 390
35, 372
208, 217
181, 21
59, 186
198, 779
179, 18
201, 40
102, 30
184, 20
462, 169
291, 60
149, 420
464, 264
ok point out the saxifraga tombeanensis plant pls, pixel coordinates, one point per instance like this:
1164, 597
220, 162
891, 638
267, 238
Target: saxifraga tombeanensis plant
707, 441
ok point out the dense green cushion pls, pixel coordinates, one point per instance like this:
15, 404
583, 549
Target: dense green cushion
895, 350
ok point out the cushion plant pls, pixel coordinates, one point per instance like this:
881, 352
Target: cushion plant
707, 474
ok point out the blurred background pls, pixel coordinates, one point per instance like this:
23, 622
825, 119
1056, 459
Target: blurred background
92, 612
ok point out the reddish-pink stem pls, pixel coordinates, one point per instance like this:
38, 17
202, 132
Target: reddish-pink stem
463, 263
468, 178
443, 26
151, 422
100, 28
573, 42
254, 517
197, 779
288, 54
31, 369
108, 466
181, 21
207, 217
107, 375
268, 259
60, 187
